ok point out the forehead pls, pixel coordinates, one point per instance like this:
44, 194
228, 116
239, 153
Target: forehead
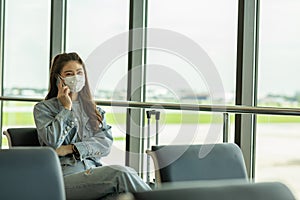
72, 66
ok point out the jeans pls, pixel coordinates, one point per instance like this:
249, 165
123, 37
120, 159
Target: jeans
103, 183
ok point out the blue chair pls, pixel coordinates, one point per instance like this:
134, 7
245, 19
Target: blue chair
22, 136
175, 163
30, 173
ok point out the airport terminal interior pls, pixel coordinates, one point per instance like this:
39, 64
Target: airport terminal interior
202, 97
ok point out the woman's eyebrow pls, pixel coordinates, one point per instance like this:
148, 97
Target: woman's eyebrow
67, 71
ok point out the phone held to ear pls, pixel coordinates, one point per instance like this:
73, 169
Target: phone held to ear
59, 79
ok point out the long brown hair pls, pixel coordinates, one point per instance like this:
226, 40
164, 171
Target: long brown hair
89, 106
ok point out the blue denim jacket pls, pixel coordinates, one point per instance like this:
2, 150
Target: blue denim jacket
57, 126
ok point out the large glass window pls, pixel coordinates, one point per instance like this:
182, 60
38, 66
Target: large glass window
26, 59
279, 48
93, 28
178, 73
188, 43
26, 48
93, 31
215, 34
277, 136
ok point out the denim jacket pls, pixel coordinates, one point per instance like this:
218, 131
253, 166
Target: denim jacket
57, 126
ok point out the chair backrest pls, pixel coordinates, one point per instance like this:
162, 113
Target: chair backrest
22, 137
245, 191
30, 173
185, 162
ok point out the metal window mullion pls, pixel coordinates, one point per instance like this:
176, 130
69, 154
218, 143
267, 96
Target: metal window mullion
58, 27
145, 14
2, 31
135, 86
246, 80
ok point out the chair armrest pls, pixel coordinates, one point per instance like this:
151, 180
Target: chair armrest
152, 154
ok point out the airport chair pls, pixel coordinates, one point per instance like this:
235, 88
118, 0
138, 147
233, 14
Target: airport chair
22, 137
30, 173
175, 163
223, 191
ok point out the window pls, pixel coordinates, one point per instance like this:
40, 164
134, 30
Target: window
172, 77
93, 27
279, 53
278, 136
91, 23
277, 147
26, 54
26, 59
215, 34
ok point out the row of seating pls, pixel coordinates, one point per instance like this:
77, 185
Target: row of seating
209, 171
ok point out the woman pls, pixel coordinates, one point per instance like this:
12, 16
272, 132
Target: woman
69, 121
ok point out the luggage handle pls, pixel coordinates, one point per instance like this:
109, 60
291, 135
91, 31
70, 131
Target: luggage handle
149, 113
153, 112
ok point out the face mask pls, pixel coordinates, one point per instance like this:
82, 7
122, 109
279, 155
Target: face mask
75, 83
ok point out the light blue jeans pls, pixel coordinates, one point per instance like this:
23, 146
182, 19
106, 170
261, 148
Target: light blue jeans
104, 182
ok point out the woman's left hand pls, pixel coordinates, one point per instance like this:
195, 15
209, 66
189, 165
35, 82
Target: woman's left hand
64, 150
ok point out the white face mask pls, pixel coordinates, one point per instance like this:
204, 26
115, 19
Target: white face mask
75, 83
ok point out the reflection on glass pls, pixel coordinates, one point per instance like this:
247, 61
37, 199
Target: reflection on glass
26, 50
215, 34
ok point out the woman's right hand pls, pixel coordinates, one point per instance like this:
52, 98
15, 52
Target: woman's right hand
64, 150
63, 95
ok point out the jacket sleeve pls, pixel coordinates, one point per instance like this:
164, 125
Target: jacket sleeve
98, 144
53, 124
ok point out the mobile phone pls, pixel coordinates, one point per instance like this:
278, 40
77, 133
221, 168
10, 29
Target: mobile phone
58, 79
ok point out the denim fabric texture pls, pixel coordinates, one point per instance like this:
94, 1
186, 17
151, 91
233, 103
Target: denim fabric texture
85, 177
